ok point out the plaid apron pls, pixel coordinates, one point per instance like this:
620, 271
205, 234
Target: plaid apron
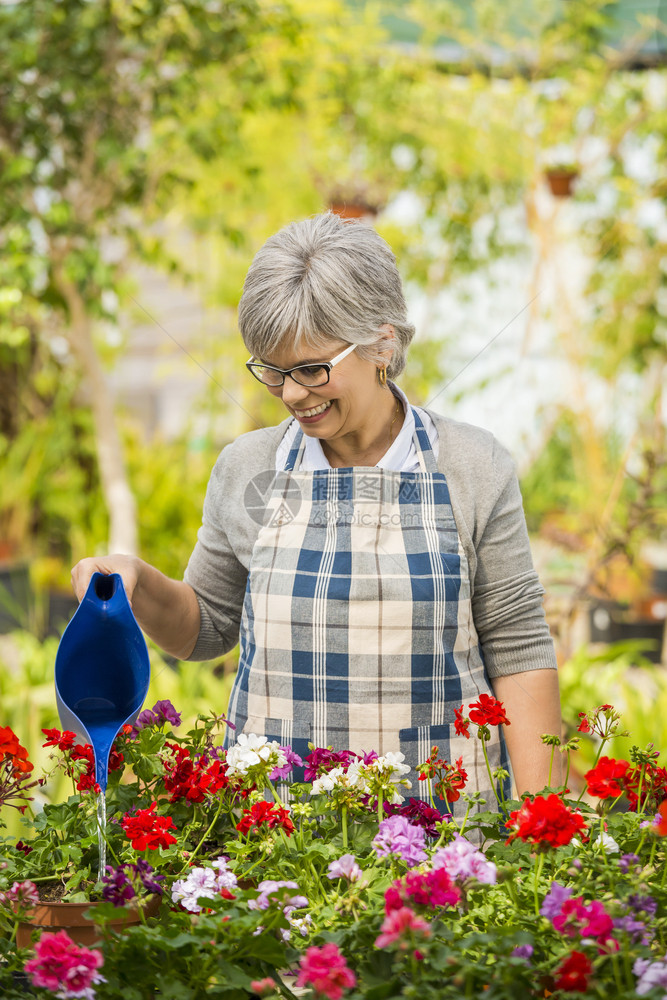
357, 629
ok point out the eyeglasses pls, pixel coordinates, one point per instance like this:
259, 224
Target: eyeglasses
308, 375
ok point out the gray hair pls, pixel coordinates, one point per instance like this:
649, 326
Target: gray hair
325, 279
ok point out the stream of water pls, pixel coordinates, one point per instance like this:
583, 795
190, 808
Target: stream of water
102, 832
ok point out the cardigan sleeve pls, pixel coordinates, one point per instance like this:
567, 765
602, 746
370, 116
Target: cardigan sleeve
507, 597
506, 593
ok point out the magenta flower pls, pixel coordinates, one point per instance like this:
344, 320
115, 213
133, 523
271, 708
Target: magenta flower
400, 926
65, 968
293, 760
434, 888
345, 867
398, 836
419, 813
322, 760
326, 970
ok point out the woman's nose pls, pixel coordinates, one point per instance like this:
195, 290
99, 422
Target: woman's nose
293, 393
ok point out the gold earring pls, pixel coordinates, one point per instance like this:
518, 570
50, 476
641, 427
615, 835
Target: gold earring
382, 375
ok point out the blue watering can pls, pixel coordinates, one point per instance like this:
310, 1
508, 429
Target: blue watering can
102, 669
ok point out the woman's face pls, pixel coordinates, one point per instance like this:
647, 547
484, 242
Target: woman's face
343, 406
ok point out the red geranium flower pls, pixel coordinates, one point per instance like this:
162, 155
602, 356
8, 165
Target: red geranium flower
265, 813
461, 725
11, 749
55, 738
573, 973
661, 820
545, 820
488, 711
192, 779
605, 780
147, 831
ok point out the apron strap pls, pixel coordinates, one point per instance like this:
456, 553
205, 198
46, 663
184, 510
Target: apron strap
294, 457
427, 460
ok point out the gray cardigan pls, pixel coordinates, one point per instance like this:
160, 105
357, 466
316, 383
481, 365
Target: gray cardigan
486, 500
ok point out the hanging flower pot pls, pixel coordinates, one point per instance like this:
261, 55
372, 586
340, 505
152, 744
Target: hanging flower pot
561, 180
353, 209
73, 918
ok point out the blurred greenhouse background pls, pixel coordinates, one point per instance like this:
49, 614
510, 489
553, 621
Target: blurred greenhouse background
512, 153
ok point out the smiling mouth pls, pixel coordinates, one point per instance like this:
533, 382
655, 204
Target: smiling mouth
313, 412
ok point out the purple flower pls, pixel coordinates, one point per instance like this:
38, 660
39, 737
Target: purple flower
635, 929
146, 875
345, 867
268, 888
523, 951
419, 813
553, 901
651, 975
397, 836
293, 760
118, 888
628, 861
462, 860
165, 712
121, 884
161, 712
643, 904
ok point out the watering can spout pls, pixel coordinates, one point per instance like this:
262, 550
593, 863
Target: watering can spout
102, 669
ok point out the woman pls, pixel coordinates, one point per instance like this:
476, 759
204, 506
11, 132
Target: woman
373, 556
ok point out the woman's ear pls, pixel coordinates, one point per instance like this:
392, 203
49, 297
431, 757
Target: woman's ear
389, 342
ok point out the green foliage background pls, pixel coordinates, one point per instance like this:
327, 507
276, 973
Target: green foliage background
125, 125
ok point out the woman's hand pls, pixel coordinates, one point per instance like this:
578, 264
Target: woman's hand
167, 610
127, 567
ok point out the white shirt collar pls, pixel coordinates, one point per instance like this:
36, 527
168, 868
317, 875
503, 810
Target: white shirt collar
394, 458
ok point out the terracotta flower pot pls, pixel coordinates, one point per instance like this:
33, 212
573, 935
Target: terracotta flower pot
71, 917
561, 181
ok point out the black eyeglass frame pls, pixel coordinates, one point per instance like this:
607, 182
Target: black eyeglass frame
251, 364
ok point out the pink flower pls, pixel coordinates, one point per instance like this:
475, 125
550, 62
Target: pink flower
397, 836
462, 860
434, 888
263, 987
64, 967
325, 969
20, 897
345, 867
400, 923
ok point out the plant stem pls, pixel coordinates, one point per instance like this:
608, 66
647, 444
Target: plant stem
343, 820
205, 835
501, 805
539, 864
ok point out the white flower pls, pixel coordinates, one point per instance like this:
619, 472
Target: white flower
356, 778
327, 782
394, 759
202, 882
251, 750
608, 842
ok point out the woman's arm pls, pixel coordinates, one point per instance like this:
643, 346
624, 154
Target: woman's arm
532, 704
167, 610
